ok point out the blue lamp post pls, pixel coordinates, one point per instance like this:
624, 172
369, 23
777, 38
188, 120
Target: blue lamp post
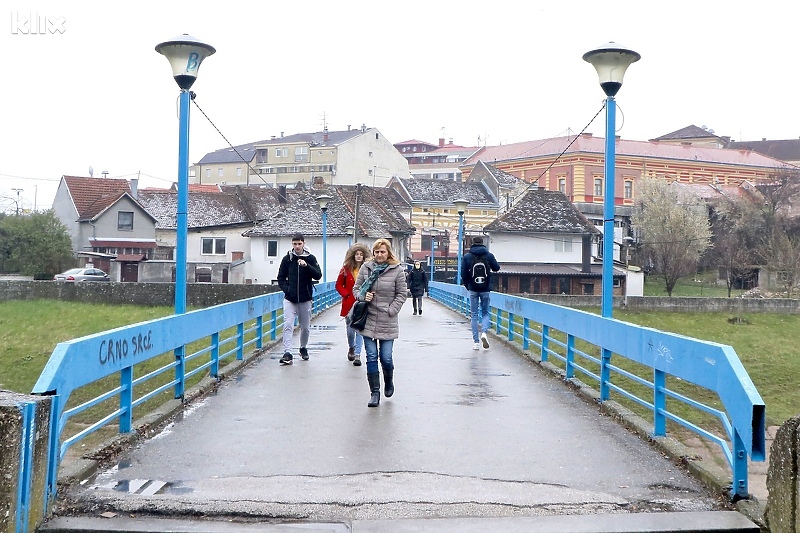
322, 201
434, 233
185, 53
610, 61
461, 207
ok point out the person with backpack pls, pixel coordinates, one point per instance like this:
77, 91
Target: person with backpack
476, 268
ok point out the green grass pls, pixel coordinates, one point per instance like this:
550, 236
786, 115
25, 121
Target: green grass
702, 285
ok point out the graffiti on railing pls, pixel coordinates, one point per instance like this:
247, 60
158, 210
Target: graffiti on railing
113, 350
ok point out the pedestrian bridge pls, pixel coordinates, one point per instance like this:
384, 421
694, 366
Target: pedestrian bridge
467, 434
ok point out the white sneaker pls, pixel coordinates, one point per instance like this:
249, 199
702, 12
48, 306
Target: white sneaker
476, 346
485, 341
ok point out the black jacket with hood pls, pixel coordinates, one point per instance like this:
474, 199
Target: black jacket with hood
476, 250
296, 282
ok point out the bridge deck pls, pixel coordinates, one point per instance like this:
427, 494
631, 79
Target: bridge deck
468, 433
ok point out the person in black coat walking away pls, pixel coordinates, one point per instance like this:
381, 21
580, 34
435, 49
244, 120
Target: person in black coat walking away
417, 282
476, 268
296, 275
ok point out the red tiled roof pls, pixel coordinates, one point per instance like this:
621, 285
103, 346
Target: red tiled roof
591, 144
92, 195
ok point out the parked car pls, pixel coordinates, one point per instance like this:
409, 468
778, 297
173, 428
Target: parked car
82, 274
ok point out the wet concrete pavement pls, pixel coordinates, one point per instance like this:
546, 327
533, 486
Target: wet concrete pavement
467, 434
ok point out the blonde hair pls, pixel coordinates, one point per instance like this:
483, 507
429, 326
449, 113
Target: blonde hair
350, 256
390, 258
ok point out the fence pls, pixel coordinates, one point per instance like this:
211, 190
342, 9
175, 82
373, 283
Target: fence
105, 377
642, 366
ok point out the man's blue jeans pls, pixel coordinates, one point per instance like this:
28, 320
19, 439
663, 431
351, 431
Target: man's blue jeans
378, 349
479, 309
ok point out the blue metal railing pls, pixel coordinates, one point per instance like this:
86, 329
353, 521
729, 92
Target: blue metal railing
79, 362
553, 330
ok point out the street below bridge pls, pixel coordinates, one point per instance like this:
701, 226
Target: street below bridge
468, 434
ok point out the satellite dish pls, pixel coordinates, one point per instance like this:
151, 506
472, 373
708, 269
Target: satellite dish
91, 172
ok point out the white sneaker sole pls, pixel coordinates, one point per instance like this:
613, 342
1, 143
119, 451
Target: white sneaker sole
485, 342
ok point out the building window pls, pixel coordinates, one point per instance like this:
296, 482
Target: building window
563, 244
525, 284
588, 289
300, 154
562, 185
262, 156
125, 221
220, 172
208, 172
598, 187
281, 152
272, 248
213, 246
628, 189
370, 154
238, 171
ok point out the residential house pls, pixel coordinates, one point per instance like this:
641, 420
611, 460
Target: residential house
427, 160
504, 186
545, 245
436, 219
216, 219
355, 213
108, 226
326, 157
786, 150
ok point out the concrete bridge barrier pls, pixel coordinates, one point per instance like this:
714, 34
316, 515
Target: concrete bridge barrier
24, 441
782, 479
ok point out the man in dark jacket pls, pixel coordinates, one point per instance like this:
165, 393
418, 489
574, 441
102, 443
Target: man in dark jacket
296, 277
478, 288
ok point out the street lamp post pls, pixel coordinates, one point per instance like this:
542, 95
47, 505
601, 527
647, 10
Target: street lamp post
461, 207
350, 232
434, 233
322, 201
610, 61
184, 53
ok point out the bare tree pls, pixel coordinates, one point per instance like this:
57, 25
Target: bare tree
675, 229
781, 253
782, 189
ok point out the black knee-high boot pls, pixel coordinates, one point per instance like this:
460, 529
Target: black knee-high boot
374, 380
388, 388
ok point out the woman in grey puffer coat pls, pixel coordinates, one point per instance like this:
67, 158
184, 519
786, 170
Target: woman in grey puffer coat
382, 283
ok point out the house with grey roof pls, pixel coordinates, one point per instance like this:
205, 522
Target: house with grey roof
355, 213
436, 219
545, 245
109, 228
345, 157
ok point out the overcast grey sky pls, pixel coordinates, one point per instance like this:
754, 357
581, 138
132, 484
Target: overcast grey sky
89, 89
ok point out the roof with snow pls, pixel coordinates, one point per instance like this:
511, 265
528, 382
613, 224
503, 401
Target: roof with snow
542, 211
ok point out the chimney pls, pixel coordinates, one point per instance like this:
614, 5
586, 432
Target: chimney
450, 141
282, 194
237, 256
586, 134
325, 134
441, 142
363, 127
348, 127
586, 253
135, 188
281, 135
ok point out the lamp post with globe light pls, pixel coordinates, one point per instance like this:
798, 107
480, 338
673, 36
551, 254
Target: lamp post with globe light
461, 207
184, 53
611, 61
322, 202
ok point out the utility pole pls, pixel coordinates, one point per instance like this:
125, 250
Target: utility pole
355, 214
17, 200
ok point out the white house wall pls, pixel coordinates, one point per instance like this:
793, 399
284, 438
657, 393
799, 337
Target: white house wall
533, 248
263, 269
65, 211
356, 166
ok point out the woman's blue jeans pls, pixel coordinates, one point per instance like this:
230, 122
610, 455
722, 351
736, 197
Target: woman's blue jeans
378, 349
354, 340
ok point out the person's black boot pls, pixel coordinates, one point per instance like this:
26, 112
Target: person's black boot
388, 383
375, 388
